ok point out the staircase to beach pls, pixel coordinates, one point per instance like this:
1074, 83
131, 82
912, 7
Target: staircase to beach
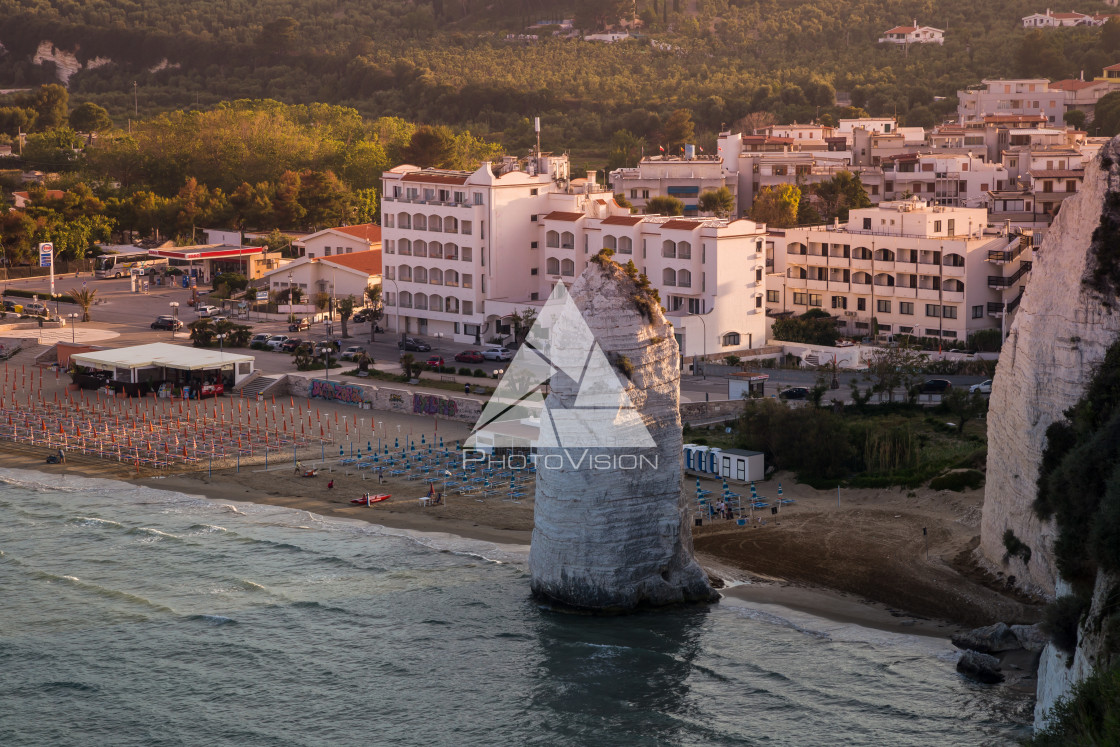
257, 386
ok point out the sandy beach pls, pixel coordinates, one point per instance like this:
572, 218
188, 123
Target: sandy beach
864, 559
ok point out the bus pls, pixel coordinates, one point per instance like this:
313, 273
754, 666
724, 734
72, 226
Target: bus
122, 264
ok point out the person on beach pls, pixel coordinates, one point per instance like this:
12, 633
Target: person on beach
299, 468
380, 477
466, 388
330, 484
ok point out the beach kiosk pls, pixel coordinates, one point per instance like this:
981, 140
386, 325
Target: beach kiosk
142, 369
736, 465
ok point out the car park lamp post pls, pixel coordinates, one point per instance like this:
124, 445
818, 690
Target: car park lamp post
221, 346
73, 326
174, 310
704, 323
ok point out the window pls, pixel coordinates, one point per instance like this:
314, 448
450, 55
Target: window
633, 194
933, 309
468, 280
420, 248
684, 250
444, 195
949, 312
883, 307
731, 338
404, 272
435, 223
839, 302
435, 303
326, 251
684, 279
420, 275
567, 240
465, 227
610, 242
695, 306
937, 226
534, 191
978, 312
758, 300
468, 307
389, 220
906, 307
390, 247
552, 266
451, 225
645, 194
866, 224
477, 198
435, 277
419, 223
460, 197
451, 278
758, 274
468, 254
533, 218
567, 268
404, 220
669, 276
532, 245
552, 239
800, 299
668, 249
405, 246
625, 245
815, 299
411, 193
396, 190
429, 194
773, 296
420, 301
435, 249
406, 299
861, 304
532, 270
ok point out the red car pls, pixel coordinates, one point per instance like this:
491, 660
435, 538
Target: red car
435, 362
469, 356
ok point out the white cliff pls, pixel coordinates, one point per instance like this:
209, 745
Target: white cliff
1060, 334
618, 538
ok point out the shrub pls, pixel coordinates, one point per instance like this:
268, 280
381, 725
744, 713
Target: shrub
1016, 547
986, 340
479, 373
811, 327
968, 479
259, 346
1061, 618
624, 365
464, 371
1088, 715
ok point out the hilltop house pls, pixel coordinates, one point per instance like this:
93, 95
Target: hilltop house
914, 34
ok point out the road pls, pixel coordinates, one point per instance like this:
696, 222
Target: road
131, 314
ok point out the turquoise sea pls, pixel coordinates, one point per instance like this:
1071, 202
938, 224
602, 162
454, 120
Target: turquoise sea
133, 616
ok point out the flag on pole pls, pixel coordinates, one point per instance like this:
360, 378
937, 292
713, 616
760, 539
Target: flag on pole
700, 148
661, 148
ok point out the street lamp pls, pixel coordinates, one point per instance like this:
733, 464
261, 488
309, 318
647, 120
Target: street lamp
174, 310
73, 326
327, 359
290, 299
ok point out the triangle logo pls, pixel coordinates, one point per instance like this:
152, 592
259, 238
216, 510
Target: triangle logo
560, 350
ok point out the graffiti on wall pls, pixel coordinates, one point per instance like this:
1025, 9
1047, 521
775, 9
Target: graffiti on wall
351, 395
430, 404
396, 401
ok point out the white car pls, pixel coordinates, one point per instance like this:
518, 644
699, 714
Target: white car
208, 310
497, 354
276, 341
351, 353
984, 387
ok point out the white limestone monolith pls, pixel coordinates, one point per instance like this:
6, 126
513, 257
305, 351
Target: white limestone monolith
611, 529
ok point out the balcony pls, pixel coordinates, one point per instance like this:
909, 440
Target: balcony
952, 296
816, 284
860, 264
953, 271
901, 291
998, 281
929, 294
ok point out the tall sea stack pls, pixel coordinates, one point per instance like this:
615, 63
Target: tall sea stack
611, 528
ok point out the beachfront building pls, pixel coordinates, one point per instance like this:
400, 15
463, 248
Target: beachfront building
1020, 96
454, 239
913, 34
340, 240
906, 267
709, 272
683, 177
332, 278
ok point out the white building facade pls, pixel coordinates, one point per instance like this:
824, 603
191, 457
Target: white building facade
1023, 96
901, 268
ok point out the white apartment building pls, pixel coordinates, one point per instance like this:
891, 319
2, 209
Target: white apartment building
942, 179
453, 239
709, 272
1023, 96
684, 178
908, 266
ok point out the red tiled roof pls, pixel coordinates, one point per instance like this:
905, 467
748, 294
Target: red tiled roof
1113, 67
420, 176
371, 232
901, 30
1072, 84
1068, 15
687, 225
560, 215
623, 220
367, 262
50, 194
1057, 173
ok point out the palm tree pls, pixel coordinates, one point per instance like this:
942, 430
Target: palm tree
373, 294
83, 298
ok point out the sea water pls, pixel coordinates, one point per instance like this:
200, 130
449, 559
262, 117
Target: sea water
133, 616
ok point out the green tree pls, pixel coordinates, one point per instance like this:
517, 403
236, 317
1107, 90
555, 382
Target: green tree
678, 131
1076, 118
664, 205
376, 307
430, 146
89, 117
964, 406
50, 103
625, 150
840, 194
718, 202
202, 333
814, 327
84, 298
892, 368
52, 150
345, 308
777, 206
1106, 121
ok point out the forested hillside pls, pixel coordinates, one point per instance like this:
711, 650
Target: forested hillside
448, 61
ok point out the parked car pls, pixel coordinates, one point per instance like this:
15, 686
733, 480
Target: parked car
497, 354
167, 322
984, 387
217, 319
936, 386
9, 306
362, 316
290, 345
469, 356
434, 362
299, 325
351, 353
794, 392
260, 338
412, 344
276, 341
206, 310
36, 309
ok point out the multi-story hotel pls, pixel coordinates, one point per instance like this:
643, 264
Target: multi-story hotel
464, 251
907, 267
